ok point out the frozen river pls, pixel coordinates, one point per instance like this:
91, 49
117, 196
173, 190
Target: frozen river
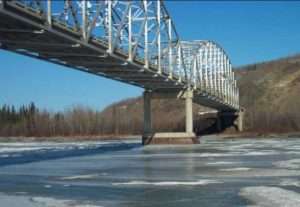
239, 172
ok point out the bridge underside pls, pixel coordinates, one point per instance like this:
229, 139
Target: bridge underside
61, 46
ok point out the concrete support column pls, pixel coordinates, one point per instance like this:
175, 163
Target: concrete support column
189, 111
152, 137
147, 113
240, 120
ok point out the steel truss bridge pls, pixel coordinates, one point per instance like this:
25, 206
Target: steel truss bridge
132, 41
135, 42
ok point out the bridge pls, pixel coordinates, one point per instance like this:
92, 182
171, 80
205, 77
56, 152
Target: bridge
135, 42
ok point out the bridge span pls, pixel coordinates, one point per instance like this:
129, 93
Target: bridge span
135, 42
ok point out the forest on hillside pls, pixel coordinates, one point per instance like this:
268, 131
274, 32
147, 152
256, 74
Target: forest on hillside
270, 93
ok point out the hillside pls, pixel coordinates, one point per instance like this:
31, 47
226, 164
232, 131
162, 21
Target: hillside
269, 92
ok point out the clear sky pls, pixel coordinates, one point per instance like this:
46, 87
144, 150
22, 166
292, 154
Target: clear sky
249, 31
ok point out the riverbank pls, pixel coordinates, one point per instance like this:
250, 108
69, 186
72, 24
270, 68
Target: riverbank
241, 135
247, 135
69, 138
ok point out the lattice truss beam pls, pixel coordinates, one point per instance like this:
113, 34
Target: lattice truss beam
143, 32
210, 70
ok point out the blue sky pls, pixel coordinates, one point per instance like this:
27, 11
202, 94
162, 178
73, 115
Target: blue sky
249, 31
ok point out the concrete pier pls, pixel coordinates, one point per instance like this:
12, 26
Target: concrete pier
240, 120
171, 138
187, 137
188, 111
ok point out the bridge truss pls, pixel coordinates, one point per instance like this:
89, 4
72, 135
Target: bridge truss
131, 41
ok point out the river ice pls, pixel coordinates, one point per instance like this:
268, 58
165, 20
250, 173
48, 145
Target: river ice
231, 172
271, 196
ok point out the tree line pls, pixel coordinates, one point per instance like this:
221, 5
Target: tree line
28, 120
122, 118
126, 118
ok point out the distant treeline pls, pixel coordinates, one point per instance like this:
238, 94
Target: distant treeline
123, 118
28, 120
126, 118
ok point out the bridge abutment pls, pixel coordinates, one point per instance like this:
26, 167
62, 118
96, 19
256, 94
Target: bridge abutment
151, 137
223, 120
237, 117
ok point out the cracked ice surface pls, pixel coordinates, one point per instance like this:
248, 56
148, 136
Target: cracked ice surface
271, 196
